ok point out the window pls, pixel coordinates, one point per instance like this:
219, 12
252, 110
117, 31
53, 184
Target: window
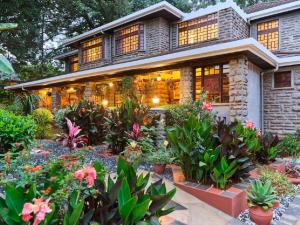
268, 33
130, 39
214, 80
198, 30
74, 64
92, 50
282, 79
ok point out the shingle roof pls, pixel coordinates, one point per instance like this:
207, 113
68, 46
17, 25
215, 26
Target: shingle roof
266, 5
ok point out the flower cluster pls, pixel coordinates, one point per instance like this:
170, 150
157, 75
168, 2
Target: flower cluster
89, 173
207, 106
135, 131
39, 208
249, 124
32, 169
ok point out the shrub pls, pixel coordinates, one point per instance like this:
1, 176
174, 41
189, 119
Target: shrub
278, 181
289, 146
59, 117
90, 117
16, 132
43, 119
27, 102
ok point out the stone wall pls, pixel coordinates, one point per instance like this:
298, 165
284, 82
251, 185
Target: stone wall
186, 84
55, 98
238, 91
282, 106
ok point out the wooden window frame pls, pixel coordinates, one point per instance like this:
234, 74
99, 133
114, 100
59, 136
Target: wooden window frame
101, 45
140, 35
220, 78
286, 87
73, 62
268, 31
196, 26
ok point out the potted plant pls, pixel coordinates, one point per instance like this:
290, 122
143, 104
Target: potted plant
260, 199
159, 159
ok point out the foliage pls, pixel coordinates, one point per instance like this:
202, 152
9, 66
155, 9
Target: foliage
72, 140
126, 199
59, 117
261, 194
161, 156
27, 102
269, 147
293, 169
16, 132
278, 181
43, 119
289, 146
91, 119
6, 96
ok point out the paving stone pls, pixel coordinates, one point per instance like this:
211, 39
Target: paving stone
176, 205
235, 222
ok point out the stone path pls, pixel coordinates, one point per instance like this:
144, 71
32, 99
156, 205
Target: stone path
292, 214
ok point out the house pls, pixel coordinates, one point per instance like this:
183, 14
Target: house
248, 61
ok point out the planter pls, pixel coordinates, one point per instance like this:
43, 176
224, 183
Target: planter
260, 216
178, 175
276, 205
159, 168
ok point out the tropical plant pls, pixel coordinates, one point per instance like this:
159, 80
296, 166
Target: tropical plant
72, 140
161, 156
16, 132
261, 195
89, 116
27, 102
126, 199
289, 146
43, 119
59, 117
269, 148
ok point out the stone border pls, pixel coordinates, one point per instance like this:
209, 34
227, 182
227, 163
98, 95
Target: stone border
292, 213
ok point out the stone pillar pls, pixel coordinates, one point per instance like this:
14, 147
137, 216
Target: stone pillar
89, 90
238, 71
186, 84
55, 98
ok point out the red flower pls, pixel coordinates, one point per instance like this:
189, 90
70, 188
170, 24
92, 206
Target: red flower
249, 124
135, 130
207, 106
7, 158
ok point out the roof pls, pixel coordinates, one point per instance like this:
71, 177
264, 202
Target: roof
238, 46
266, 5
65, 55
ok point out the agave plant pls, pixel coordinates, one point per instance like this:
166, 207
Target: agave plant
72, 140
261, 195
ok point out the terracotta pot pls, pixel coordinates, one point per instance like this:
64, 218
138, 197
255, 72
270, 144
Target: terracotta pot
178, 175
260, 216
276, 205
159, 168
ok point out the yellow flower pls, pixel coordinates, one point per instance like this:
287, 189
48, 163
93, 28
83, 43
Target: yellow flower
133, 144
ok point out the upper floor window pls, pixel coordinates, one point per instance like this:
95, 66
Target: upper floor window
198, 30
74, 63
92, 50
129, 39
214, 81
268, 34
282, 79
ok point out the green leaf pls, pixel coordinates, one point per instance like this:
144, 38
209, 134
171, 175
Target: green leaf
160, 201
140, 210
74, 219
14, 199
126, 209
124, 193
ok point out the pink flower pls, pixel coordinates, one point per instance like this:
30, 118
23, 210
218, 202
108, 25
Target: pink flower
249, 124
258, 133
135, 130
207, 106
89, 173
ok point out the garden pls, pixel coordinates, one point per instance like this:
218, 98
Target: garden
90, 164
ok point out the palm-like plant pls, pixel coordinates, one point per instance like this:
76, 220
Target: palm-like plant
27, 102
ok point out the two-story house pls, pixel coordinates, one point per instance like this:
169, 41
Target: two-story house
248, 62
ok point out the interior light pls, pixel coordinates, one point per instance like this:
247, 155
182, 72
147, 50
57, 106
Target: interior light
158, 78
110, 84
104, 102
155, 100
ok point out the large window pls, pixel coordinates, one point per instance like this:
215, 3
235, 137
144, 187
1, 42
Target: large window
214, 81
268, 34
129, 39
92, 50
198, 30
74, 64
282, 79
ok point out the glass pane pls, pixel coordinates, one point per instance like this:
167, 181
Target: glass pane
282, 79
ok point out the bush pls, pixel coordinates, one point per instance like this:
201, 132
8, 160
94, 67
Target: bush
16, 132
43, 119
59, 117
289, 146
27, 102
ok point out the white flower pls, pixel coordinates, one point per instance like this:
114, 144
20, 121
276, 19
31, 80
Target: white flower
166, 143
133, 144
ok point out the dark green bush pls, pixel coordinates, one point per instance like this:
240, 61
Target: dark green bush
15, 131
289, 146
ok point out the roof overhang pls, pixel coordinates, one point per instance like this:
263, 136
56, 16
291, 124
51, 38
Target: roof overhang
289, 61
65, 55
161, 7
246, 45
274, 10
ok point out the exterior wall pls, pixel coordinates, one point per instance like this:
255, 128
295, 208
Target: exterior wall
55, 98
282, 106
186, 84
289, 32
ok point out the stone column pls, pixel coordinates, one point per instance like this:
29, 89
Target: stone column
186, 84
238, 71
89, 90
55, 98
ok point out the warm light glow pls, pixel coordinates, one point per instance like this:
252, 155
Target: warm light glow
45, 92
110, 84
71, 89
158, 78
104, 102
155, 100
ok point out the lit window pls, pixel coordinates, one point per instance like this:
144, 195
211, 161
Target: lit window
214, 81
74, 64
282, 79
268, 34
198, 30
92, 50
130, 39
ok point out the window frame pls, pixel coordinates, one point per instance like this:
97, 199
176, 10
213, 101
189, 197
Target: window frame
101, 45
140, 34
282, 88
197, 26
220, 78
278, 30
74, 62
